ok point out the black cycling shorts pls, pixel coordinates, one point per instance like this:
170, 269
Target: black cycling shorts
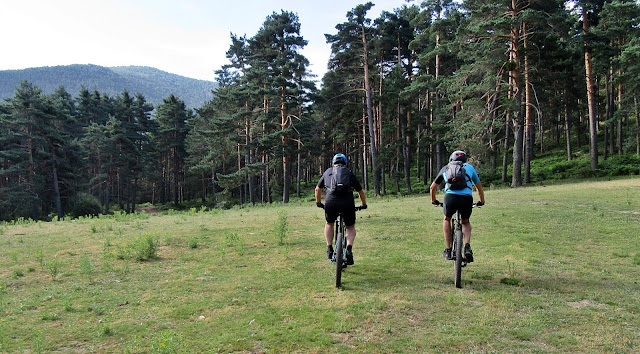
348, 214
462, 203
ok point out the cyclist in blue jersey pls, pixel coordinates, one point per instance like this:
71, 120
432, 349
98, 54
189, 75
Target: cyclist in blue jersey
458, 199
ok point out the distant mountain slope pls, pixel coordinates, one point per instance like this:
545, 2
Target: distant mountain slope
154, 84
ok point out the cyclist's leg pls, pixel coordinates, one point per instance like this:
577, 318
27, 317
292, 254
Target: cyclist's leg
328, 233
446, 228
466, 208
465, 214
330, 215
449, 208
350, 224
351, 234
466, 230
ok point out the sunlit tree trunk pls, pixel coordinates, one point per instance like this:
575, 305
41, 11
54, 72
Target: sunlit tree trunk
591, 96
516, 179
372, 138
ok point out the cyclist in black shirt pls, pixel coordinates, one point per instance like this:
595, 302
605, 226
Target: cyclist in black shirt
343, 203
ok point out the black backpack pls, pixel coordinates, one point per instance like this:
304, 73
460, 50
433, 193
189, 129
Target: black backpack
340, 181
456, 176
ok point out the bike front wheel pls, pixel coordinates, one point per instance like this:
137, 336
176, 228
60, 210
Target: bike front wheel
339, 259
457, 253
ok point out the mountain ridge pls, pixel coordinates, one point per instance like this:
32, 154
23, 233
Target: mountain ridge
154, 84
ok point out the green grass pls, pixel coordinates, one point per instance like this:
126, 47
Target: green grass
556, 269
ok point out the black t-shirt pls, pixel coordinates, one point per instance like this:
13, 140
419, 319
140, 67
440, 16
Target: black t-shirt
339, 200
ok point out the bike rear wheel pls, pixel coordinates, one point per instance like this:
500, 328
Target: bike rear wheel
339, 254
457, 253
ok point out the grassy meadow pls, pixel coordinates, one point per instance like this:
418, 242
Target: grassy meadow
556, 270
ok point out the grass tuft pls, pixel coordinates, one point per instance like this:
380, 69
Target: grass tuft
281, 226
511, 281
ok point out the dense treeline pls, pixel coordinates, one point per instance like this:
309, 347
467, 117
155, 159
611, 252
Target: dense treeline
503, 79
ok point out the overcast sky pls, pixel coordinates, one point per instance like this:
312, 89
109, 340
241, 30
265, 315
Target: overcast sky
184, 37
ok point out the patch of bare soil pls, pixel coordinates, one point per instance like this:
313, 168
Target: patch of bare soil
583, 304
149, 210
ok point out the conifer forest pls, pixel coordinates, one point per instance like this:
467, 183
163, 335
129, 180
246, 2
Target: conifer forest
505, 80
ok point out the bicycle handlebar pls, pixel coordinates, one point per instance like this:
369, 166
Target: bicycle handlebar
358, 208
475, 205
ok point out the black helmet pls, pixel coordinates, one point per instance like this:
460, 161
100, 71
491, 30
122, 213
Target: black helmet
458, 155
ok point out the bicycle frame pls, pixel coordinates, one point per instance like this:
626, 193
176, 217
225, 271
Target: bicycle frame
339, 249
456, 250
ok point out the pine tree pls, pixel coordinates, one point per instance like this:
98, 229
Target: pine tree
173, 116
352, 43
278, 44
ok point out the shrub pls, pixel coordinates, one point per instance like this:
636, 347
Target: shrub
621, 165
54, 268
145, 248
281, 226
85, 204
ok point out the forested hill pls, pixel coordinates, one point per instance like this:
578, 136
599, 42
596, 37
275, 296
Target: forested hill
154, 84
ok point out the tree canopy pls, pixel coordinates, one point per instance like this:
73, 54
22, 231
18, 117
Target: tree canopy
505, 80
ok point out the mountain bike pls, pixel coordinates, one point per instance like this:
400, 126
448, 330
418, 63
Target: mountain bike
456, 247
340, 247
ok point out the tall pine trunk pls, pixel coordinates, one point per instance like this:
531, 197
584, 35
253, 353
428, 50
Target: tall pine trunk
372, 137
516, 179
249, 160
406, 142
567, 126
286, 168
635, 101
507, 144
528, 143
56, 188
591, 96
299, 169
619, 126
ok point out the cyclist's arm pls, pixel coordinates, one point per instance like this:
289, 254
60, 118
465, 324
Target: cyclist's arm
318, 194
363, 197
436, 183
480, 191
433, 189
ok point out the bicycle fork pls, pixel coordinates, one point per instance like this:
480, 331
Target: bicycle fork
340, 248
455, 227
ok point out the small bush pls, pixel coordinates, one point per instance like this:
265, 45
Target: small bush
281, 226
511, 281
54, 268
106, 331
50, 317
85, 204
145, 248
235, 241
40, 258
86, 267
